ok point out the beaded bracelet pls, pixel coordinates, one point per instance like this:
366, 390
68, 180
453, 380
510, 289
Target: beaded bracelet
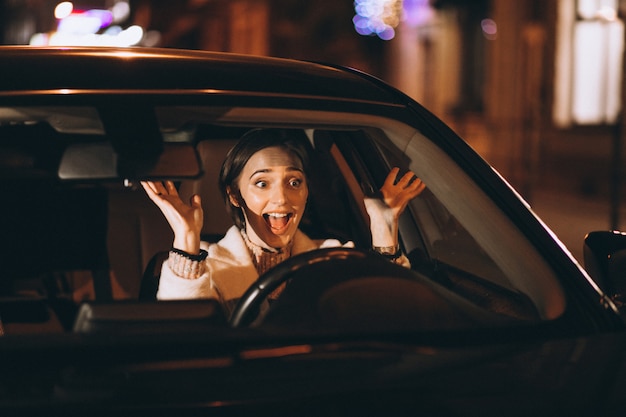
186, 265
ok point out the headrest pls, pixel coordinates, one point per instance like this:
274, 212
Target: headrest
212, 155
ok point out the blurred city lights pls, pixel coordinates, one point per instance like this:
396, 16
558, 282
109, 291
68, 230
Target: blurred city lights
490, 29
88, 22
63, 10
93, 27
602, 9
377, 17
120, 11
590, 49
417, 12
607, 13
382, 17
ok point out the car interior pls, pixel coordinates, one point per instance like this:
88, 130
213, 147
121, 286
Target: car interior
83, 253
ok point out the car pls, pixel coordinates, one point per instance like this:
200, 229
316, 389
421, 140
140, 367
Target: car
493, 316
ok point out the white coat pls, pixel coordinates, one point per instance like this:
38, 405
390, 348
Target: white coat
229, 269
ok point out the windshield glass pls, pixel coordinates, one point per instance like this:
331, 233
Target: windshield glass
105, 237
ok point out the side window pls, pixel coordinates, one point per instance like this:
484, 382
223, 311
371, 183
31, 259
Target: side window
364, 165
338, 199
443, 230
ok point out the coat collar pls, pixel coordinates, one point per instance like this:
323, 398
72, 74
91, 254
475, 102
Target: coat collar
232, 248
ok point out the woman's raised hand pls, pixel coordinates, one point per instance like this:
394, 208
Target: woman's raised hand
184, 219
384, 212
396, 195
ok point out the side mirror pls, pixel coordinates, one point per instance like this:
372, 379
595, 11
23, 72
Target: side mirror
605, 260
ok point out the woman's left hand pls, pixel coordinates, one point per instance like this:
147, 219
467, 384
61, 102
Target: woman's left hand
396, 195
384, 212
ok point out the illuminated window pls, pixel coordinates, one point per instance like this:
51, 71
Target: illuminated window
590, 44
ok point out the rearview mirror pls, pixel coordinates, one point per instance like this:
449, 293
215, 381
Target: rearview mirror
98, 161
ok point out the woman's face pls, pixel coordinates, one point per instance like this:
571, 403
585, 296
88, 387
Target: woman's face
274, 191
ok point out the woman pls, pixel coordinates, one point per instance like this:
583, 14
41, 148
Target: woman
264, 181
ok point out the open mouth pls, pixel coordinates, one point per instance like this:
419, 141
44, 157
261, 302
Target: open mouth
277, 221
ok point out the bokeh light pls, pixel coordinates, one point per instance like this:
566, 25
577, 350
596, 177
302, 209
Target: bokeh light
382, 17
92, 27
490, 29
377, 17
63, 10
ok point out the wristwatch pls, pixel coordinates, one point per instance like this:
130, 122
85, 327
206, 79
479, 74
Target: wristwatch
390, 252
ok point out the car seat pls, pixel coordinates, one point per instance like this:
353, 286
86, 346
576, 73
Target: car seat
216, 219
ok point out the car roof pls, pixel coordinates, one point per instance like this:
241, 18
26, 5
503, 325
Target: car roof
45, 70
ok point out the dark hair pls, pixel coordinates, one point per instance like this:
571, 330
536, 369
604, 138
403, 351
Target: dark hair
294, 141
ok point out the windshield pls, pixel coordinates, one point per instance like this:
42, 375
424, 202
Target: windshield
103, 235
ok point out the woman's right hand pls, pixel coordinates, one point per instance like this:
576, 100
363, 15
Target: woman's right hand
184, 219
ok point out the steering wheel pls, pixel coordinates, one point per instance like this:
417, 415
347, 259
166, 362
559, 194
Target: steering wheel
248, 307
